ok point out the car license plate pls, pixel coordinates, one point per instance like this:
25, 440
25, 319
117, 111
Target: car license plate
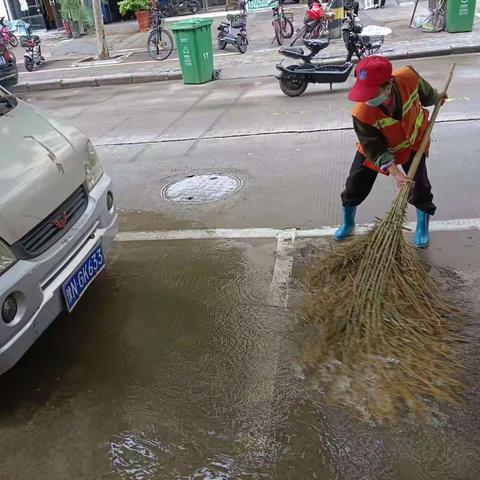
83, 276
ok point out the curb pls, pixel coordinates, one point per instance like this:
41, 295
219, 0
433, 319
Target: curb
434, 52
135, 78
80, 82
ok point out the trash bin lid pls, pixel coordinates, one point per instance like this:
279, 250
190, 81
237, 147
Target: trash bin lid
191, 24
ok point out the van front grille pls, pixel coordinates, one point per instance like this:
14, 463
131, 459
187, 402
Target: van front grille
52, 228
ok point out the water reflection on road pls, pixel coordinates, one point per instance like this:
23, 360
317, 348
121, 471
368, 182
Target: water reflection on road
179, 364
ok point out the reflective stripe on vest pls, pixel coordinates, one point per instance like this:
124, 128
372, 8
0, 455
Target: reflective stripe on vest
387, 122
408, 104
408, 143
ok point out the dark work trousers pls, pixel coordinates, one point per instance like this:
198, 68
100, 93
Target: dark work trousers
361, 179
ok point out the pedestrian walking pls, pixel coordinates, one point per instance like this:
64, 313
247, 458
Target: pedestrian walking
382, 3
389, 119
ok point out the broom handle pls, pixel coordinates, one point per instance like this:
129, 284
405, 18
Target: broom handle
426, 137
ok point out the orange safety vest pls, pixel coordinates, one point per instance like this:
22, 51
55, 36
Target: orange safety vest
403, 136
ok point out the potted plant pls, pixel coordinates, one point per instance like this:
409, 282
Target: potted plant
140, 7
74, 13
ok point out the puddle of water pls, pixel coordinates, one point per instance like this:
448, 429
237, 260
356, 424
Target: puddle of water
177, 367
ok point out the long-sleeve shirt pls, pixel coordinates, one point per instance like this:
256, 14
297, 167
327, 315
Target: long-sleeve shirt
371, 138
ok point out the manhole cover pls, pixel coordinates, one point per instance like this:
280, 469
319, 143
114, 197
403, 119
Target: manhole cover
202, 188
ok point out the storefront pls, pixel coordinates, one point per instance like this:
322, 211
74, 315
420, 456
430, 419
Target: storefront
40, 14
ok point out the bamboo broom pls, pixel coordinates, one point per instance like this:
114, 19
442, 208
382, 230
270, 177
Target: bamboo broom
381, 334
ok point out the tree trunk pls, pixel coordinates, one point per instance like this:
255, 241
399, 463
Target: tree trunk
100, 31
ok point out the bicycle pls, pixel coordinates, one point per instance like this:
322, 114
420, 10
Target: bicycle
437, 21
160, 41
316, 23
282, 26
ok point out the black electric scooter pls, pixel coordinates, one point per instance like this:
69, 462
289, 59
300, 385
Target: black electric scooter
294, 79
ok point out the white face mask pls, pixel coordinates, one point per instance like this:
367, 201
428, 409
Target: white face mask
377, 101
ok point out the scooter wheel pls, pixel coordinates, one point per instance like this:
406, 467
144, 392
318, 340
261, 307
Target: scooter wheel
222, 44
194, 6
13, 40
293, 87
242, 43
29, 65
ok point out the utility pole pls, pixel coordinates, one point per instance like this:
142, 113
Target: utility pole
100, 31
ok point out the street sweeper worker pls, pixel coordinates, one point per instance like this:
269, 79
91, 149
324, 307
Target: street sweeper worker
389, 119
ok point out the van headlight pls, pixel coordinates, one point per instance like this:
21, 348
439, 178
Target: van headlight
93, 169
7, 258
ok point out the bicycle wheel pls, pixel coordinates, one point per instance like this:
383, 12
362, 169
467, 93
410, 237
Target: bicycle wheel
319, 31
160, 44
278, 31
300, 33
286, 28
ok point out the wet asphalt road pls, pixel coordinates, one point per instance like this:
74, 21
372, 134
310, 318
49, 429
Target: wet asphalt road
180, 361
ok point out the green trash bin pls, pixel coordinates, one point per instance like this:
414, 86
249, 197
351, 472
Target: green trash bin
460, 15
194, 45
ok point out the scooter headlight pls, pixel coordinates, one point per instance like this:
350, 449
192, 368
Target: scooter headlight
93, 169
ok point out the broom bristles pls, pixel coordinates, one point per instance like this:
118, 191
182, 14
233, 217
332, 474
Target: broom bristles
383, 336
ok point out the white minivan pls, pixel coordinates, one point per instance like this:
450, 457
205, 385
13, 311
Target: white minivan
57, 220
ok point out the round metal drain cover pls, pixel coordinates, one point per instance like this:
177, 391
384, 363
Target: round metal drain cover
202, 188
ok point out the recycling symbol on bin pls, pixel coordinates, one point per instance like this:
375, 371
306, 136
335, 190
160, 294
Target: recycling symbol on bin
186, 51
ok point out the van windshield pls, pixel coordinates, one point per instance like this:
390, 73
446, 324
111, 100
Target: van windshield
7, 102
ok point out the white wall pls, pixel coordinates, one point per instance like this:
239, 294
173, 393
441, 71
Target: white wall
3, 10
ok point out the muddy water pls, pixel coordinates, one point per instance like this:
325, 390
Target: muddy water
180, 365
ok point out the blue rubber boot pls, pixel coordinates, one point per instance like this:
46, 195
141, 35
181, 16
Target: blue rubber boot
422, 236
348, 223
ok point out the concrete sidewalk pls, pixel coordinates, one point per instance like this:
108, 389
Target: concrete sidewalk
134, 65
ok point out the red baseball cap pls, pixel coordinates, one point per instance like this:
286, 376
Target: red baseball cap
371, 72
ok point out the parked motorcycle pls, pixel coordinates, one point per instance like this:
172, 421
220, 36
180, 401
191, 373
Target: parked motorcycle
234, 31
294, 79
169, 9
356, 41
6, 36
33, 52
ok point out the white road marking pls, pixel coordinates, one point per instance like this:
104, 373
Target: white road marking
283, 268
462, 224
138, 62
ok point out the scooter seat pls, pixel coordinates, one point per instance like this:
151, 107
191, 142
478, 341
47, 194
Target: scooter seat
317, 44
295, 50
